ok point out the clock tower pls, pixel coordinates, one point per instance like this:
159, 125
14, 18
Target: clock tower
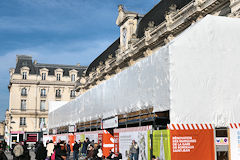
127, 21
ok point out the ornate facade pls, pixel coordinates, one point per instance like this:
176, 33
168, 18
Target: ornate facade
32, 85
141, 35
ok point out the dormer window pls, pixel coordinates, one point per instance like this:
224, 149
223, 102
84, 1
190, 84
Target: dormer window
24, 75
58, 77
73, 79
43, 73
25, 72
43, 76
73, 75
24, 92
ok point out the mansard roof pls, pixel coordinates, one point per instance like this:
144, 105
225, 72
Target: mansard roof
157, 14
23, 60
111, 50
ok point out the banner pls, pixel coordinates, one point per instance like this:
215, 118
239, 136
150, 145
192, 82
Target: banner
62, 137
235, 142
126, 136
160, 144
92, 136
80, 137
192, 142
54, 138
108, 143
71, 141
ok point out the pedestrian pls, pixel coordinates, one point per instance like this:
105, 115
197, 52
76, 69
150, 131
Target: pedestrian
18, 151
88, 144
90, 155
26, 155
75, 151
68, 150
50, 148
3, 145
2, 154
99, 153
41, 152
134, 150
61, 152
84, 148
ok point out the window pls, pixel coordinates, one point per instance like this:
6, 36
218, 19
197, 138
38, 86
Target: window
22, 121
58, 77
23, 105
72, 94
42, 105
43, 92
41, 121
73, 77
58, 93
24, 75
124, 36
24, 92
43, 76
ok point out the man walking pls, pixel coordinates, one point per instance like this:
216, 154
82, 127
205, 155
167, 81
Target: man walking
75, 151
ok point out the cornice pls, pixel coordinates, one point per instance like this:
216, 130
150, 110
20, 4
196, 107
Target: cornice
34, 82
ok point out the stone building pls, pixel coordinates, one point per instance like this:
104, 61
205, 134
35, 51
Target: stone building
140, 35
32, 85
109, 91
2, 129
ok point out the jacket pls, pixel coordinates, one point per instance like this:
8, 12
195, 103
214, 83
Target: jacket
50, 148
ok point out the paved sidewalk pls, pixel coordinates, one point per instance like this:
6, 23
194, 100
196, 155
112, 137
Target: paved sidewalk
32, 154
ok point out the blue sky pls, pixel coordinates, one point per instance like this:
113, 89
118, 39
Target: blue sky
57, 32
